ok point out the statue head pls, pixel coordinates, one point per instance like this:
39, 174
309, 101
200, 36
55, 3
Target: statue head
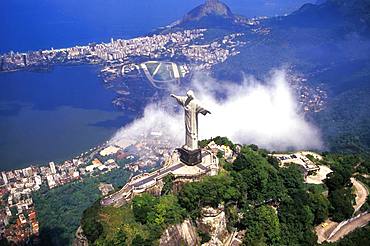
190, 94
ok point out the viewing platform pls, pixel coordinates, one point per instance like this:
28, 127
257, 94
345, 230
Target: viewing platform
143, 182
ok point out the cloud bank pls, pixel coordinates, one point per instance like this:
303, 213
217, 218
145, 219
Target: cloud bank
263, 113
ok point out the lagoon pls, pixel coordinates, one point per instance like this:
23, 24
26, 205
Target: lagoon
54, 116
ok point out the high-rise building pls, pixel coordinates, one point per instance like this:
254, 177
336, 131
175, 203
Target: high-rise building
38, 180
52, 167
51, 181
27, 172
5, 178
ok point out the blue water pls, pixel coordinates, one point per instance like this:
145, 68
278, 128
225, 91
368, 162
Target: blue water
42, 24
54, 115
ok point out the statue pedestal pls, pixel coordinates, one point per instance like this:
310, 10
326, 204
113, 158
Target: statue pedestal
190, 157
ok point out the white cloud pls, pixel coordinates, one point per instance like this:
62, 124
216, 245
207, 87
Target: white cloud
263, 113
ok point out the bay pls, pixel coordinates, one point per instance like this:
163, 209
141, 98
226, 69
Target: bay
53, 116
42, 24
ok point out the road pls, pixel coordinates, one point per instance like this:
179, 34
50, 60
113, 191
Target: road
353, 225
361, 193
119, 196
156, 174
323, 233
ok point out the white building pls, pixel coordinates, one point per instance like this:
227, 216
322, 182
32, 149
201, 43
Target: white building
51, 182
52, 167
8, 211
27, 172
38, 180
110, 150
5, 179
75, 174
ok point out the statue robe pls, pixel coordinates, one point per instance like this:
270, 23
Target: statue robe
192, 109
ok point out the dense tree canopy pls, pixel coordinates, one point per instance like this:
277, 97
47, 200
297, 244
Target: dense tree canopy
219, 141
142, 206
263, 226
253, 183
272, 203
340, 186
90, 223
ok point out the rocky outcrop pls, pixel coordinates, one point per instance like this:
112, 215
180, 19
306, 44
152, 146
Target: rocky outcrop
213, 222
178, 183
183, 234
80, 239
156, 189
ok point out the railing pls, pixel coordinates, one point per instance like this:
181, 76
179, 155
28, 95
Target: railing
343, 223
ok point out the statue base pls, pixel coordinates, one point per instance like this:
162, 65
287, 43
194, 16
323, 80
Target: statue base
190, 157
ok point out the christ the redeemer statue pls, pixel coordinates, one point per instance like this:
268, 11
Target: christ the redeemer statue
192, 109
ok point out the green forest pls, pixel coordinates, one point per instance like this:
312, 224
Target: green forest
277, 207
60, 209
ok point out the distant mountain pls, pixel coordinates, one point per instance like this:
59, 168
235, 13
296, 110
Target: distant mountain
213, 13
209, 8
327, 43
348, 14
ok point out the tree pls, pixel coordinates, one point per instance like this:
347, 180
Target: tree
140, 241
337, 179
248, 159
168, 183
341, 201
292, 177
219, 141
343, 166
259, 183
166, 212
253, 147
119, 238
90, 224
273, 161
92, 229
263, 227
189, 198
319, 205
231, 211
143, 205
211, 191
296, 219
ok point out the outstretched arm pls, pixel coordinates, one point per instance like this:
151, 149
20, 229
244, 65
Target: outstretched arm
203, 111
179, 99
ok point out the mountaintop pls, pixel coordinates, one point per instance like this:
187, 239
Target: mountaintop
209, 8
213, 13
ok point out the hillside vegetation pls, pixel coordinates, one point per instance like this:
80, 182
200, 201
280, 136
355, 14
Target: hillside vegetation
277, 207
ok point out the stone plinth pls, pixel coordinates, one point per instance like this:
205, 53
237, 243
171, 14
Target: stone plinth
190, 157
